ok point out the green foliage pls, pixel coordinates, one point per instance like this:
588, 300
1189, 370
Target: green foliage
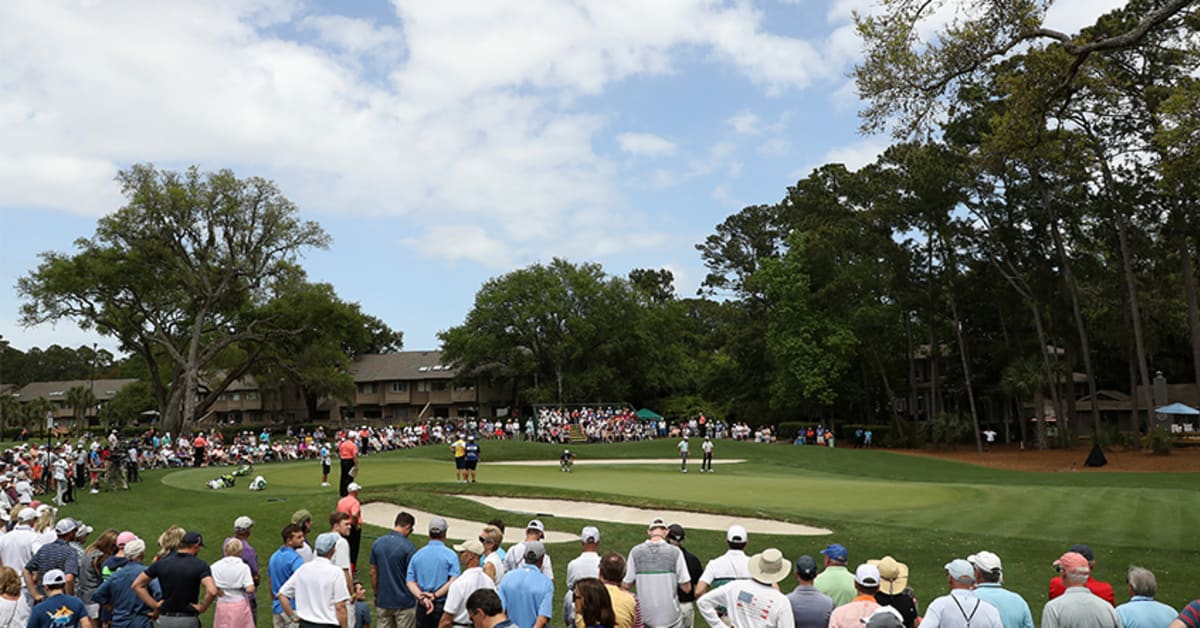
126, 407
946, 430
1160, 441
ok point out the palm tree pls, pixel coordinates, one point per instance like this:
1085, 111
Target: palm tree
80, 398
1025, 377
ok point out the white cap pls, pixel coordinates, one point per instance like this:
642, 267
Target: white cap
590, 534
353, 486
867, 575
737, 534
243, 523
986, 561
27, 514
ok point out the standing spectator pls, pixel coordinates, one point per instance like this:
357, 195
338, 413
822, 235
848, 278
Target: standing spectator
91, 569
1142, 611
961, 608
282, 564
493, 561
534, 531
836, 581
594, 604
471, 580
810, 607
326, 463
851, 614
687, 599
730, 566
303, 518
1100, 588
752, 603
627, 612
586, 565
351, 506
348, 455
199, 445
527, 594
16, 549
893, 589
989, 576
319, 589
390, 556
11, 604
58, 555
659, 572
58, 609
128, 610
1189, 617
236, 585
1077, 607
487, 611
242, 526
430, 572
180, 574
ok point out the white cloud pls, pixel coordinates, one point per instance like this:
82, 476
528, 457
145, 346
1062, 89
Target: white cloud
853, 156
775, 147
647, 144
746, 123
1072, 15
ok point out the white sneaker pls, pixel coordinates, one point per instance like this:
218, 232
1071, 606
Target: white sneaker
94, 492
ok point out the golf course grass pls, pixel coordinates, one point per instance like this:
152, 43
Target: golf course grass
922, 511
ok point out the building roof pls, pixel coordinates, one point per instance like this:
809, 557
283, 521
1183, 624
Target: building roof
103, 389
402, 365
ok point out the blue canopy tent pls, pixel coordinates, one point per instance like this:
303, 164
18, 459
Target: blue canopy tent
1178, 408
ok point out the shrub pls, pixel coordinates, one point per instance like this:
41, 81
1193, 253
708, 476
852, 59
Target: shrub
1160, 441
946, 429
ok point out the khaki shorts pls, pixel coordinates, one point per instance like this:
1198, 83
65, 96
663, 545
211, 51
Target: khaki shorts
396, 617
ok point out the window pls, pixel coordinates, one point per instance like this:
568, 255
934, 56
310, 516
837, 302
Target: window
235, 396
467, 386
399, 387
367, 388
251, 395
438, 385
422, 386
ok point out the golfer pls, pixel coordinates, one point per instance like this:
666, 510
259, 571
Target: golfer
683, 453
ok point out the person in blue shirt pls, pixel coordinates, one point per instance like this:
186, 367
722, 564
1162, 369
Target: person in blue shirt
486, 610
430, 573
283, 563
58, 610
362, 610
390, 556
989, 574
129, 611
527, 593
1142, 611
471, 456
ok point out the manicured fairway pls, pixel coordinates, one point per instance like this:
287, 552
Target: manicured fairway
921, 511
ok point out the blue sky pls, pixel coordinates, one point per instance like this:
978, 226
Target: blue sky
439, 143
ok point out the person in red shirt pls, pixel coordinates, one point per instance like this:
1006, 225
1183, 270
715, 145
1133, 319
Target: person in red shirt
198, 446
350, 505
1098, 587
348, 453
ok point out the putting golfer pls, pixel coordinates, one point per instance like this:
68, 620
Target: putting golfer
753, 603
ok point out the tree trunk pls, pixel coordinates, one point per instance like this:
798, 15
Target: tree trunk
1039, 398
1193, 305
912, 371
935, 387
1039, 413
962, 353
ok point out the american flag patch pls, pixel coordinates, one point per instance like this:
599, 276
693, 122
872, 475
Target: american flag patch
745, 597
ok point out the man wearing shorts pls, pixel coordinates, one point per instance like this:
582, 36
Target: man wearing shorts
326, 463
459, 447
470, 459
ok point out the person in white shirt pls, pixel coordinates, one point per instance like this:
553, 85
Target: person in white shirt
534, 531
683, 454
472, 579
732, 565
586, 565
16, 549
659, 572
961, 608
232, 576
707, 448
318, 587
753, 603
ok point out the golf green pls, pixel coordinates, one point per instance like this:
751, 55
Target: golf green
922, 511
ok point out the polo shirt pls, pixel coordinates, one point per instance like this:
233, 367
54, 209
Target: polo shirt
1144, 612
1100, 588
961, 609
432, 566
810, 607
179, 574
283, 563
658, 569
625, 607
16, 546
496, 560
1014, 610
469, 582
732, 565
232, 576
390, 555
1190, 615
749, 604
57, 611
350, 505
347, 450
851, 614
527, 594
694, 570
317, 587
586, 565
515, 557
56, 555
1078, 606
128, 609
838, 583
471, 452
249, 555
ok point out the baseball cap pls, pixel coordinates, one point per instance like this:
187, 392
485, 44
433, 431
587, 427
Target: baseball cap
986, 561
136, 547
124, 538
471, 545
1073, 562
437, 524
806, 567
960, 570
867, 575
353, 486
884, 617
1083, 550
301, 516
65, 526
243, 523
657, 523
83, 530
192, 538
27, 514
325, 542
675, 532
736, 534
535, 524
54, 577
835, 551
590, 534
534, 551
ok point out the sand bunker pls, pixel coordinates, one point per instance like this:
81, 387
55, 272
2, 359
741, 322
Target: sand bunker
584, 462
383, 514
595, 511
